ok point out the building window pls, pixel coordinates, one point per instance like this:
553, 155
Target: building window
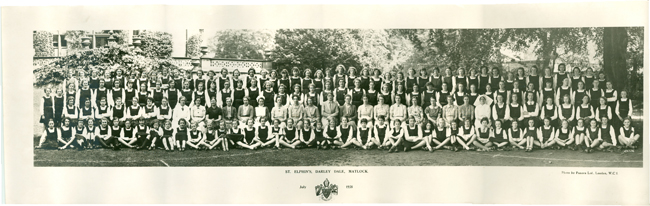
55, 41
101, 41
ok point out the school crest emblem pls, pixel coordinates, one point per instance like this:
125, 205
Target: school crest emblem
326, 190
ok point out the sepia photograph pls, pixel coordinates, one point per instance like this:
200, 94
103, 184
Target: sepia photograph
447, 103
558, 97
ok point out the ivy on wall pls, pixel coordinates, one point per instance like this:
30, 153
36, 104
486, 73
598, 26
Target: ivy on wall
43, 45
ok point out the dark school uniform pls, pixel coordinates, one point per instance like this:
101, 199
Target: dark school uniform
345, 133
253, 93
546, 133
157, 97
263, 133
409, 84
142, 97
84, 94
290, 135
499, 137
128, 96
364, 135
249, 135
66, 135
441, 135
357, 95
181, 134
58, 109
101, 93
381, 133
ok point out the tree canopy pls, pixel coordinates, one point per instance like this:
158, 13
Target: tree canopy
241, 43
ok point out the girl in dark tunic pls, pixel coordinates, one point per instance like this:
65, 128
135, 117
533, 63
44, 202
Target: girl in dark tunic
250, 140
48, 107
181, 134
49, 137
58, 106
564, 136
291, 137
168, 135
592, 138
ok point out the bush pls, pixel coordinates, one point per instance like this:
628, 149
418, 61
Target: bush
43, 45
102, 58
156, 44
193, 46
73, 37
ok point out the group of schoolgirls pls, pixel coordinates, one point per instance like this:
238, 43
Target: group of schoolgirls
370, 104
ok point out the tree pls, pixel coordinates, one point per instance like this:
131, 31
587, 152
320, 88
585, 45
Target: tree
193, 46
43, 46
550, 43
314, 48
454, 48
326, 48
156, 44
241, 44
377, 48
615, 42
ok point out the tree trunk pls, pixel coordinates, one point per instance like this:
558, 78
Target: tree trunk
614, 52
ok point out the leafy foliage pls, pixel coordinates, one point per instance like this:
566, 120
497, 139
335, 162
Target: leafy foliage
105, 59
635, 54
73, 37
43, 45
379, 49
123, 36
313, 48
193, 46
551, 43
454, 48
156, 44
326, 48
241, 44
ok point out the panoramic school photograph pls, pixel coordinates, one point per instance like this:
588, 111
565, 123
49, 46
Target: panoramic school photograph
541, 97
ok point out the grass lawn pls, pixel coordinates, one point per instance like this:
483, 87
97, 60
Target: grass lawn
339, 157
